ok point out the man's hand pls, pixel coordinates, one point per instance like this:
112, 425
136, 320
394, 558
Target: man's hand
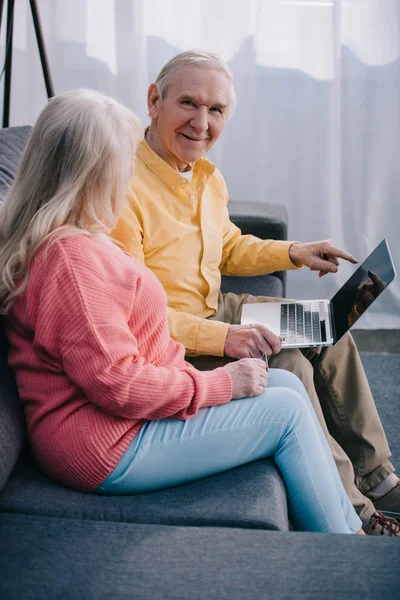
249, 377
251, 341
319, 256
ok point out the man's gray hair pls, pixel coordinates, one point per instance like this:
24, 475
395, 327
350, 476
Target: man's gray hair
193, 58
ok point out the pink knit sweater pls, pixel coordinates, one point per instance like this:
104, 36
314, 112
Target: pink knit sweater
93, 359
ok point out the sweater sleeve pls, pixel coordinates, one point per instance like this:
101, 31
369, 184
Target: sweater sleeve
106, 366
100, 354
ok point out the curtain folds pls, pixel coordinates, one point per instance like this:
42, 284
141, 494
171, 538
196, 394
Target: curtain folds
317, 126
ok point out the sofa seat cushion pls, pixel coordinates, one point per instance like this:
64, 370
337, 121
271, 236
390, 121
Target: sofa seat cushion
249, 496
43, 558
260, 285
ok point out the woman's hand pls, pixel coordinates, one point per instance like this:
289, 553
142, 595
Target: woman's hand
249, 377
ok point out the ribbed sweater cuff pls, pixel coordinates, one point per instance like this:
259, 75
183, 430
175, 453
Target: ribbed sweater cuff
219, 387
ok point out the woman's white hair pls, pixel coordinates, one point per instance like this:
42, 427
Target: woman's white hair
72, 178
193, 58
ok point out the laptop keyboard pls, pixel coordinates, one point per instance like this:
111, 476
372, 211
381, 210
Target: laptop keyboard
301, 324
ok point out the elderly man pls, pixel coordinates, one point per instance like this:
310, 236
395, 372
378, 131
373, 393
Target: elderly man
177, 223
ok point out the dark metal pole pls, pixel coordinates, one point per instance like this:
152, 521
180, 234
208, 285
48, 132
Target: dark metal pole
1, 11
9, 50
42, 51
8, 64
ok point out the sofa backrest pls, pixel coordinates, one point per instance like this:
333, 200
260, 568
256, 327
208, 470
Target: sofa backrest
12, 143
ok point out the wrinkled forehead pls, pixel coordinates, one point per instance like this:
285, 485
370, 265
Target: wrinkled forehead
206, 85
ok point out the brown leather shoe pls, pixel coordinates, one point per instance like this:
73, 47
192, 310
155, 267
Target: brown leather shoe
388, 503
380, 524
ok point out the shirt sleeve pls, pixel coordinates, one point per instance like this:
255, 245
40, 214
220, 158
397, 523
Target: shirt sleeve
198, 335
100, 354
246, 255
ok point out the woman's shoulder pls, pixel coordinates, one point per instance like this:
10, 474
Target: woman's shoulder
80, 252
90, 265
75, 241
79, 246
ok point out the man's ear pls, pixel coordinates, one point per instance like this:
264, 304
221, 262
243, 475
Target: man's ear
153, 101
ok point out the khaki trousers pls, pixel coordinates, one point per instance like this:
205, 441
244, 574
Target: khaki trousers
340, 394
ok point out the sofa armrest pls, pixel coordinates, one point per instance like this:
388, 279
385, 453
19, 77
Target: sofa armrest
66, 558
263, 220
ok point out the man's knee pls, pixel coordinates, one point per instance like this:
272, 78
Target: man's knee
347, 338
336, 357
347, 342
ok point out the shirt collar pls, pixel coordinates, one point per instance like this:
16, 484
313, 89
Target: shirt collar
167, 174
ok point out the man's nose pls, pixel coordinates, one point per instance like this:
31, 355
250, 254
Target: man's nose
199, 121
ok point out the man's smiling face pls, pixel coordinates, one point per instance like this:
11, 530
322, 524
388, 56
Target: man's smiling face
190, 118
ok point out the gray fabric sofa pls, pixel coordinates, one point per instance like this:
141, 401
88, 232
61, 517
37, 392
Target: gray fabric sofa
28, 491
226, 536
45, 558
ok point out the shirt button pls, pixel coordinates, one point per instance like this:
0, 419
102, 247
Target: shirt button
172, 187
192, 198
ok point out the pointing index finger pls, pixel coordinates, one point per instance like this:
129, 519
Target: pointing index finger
339, 253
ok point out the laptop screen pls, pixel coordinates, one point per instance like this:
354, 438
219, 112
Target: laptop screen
362, 289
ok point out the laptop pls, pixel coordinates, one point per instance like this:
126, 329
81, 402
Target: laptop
307, 323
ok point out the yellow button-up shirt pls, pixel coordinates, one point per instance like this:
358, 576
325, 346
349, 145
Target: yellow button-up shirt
183, 233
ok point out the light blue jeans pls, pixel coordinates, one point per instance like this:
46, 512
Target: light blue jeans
280, 423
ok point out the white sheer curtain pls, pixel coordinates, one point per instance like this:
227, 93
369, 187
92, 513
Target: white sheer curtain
317, 126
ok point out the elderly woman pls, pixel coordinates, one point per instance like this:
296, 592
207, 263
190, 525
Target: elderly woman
111, 405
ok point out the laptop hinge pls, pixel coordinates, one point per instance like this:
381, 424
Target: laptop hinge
332, 321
